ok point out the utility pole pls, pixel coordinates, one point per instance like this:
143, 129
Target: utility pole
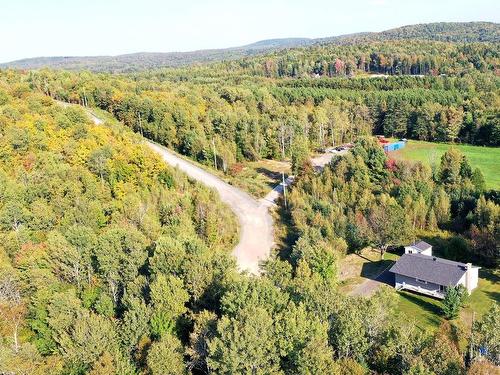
283, 142
471, 349
284, 188
215, 155
322, 136
85, 102
140, 124
333, 139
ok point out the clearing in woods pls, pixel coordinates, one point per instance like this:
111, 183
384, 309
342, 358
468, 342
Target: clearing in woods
487, 159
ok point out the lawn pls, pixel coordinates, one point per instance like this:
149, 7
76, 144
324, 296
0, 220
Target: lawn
258, 177
487, 293
485, 158
426, 311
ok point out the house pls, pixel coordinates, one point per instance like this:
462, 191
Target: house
431, 275
420, 247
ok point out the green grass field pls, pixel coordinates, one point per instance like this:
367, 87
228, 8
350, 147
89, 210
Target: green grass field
426, 311
487, 293
485, 158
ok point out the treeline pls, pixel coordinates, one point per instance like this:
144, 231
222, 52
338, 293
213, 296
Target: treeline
366, 199
398, 57
449, 32
439, 115
262, 119
467, 83
443, 31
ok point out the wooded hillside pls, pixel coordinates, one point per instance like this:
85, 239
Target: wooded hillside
460, 32
111, 263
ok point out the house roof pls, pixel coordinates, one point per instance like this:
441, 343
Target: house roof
421, 245
432, 269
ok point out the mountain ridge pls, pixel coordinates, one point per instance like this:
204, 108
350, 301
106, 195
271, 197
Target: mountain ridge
456, 32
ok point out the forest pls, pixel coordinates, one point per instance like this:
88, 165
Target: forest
112, 262
249, 117
87, 217
366, 199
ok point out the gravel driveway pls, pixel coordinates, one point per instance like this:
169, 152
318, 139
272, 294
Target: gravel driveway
370, 286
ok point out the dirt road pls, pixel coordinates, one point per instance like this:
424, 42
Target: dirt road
256, 224
320, 161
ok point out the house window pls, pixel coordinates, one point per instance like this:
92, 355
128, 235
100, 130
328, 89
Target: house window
421, 281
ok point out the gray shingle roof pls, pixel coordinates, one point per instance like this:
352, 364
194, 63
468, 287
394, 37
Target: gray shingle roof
421, 245
432, 269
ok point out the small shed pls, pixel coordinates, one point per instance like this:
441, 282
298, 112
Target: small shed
419, 247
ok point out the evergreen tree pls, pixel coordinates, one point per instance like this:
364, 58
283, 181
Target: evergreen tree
454, 299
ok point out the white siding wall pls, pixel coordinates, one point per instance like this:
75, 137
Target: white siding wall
412, 250
473, 274
427, 252
401, 280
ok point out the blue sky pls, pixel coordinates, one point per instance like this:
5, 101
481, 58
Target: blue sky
30, 28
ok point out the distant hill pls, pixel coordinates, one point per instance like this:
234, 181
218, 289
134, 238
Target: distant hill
148, 60
441, 31
278, 43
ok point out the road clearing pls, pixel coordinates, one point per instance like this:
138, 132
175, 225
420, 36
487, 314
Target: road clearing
256, 223
255, 220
